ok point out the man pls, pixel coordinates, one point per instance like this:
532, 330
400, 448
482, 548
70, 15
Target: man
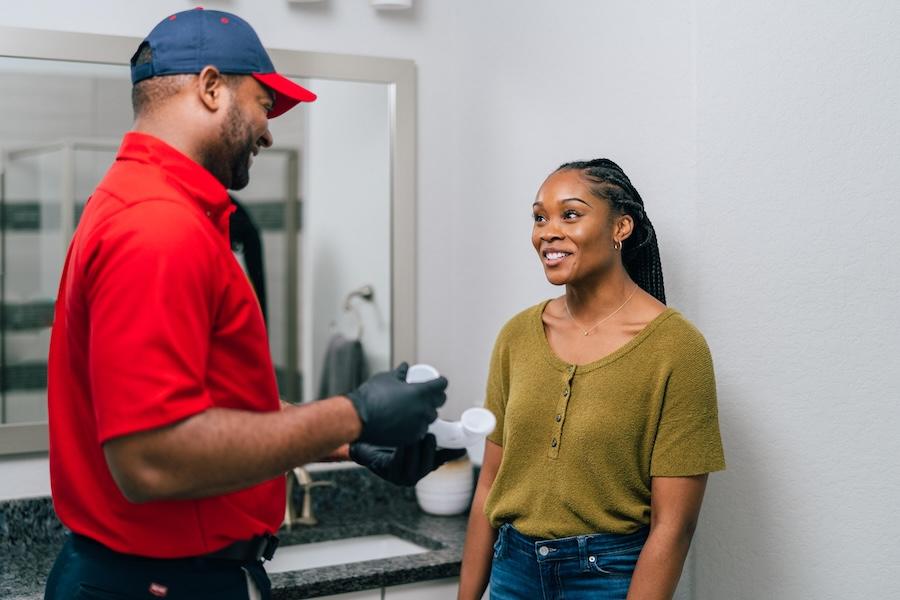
168, 443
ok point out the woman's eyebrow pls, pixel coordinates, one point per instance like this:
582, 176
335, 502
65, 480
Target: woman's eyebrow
563, 201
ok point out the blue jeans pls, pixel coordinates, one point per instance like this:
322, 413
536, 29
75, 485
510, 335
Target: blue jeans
596, 566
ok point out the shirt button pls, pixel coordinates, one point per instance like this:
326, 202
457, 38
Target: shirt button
208, 214
553, 443
592, 558
566, 392
558, 418
544, 551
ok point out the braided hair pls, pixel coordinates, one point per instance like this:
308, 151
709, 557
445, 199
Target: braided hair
640, 252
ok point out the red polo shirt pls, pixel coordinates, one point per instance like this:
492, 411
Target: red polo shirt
155, 321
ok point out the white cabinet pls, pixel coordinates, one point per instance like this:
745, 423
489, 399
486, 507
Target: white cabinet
365, 595
440, 589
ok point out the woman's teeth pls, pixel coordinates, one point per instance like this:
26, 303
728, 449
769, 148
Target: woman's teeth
556, 255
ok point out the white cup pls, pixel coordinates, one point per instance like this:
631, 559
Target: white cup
421, 373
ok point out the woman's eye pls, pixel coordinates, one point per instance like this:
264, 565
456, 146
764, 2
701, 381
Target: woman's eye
570, 214
539, 218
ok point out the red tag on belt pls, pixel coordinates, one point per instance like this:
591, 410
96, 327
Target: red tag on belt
159, 590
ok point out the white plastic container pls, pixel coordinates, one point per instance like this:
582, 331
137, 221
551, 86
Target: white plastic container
474, 424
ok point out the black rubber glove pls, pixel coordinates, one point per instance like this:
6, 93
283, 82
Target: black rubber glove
405, 465
393, 412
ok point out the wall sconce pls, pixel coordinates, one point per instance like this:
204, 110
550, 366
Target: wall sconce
391, 4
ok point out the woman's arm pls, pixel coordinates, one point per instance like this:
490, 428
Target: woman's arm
480, 536
674, 509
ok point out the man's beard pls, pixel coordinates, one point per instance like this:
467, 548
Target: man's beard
228, 158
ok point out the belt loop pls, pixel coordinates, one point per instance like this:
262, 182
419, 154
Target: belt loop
582, 553
270, 544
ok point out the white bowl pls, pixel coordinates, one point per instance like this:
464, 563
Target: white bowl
447, 490
454, 476
444, 503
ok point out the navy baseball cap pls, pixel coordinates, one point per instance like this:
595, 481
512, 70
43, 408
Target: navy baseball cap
190, 40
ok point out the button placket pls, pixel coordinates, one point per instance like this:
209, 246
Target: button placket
559, 416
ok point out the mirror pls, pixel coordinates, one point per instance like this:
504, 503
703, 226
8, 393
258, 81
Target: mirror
332, 201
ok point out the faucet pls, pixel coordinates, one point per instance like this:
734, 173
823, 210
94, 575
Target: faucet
300, 476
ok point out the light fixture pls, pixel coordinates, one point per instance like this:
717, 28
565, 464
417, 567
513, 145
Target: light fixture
391, 4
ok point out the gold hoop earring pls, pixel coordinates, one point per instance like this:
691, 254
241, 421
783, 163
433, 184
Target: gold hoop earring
617, 245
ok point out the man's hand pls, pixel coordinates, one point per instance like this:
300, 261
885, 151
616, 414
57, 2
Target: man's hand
393, 412
405, 465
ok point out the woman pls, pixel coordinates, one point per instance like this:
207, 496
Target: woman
605, 400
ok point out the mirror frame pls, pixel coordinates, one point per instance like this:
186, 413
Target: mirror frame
400, 77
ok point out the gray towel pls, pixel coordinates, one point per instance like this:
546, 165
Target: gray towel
344, 369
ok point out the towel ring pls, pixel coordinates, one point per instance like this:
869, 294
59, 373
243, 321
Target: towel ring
365, 292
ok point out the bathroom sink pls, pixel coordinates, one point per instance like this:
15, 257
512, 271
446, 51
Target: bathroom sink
336, 552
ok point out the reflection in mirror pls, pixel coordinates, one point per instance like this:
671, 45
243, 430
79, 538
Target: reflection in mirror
320, 199
347, 233
337, 236
60, 125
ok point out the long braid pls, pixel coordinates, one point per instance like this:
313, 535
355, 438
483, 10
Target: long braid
640, 252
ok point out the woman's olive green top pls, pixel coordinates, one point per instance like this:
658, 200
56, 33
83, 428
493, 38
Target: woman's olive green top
581, 442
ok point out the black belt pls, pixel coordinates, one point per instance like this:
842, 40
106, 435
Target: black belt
252, 550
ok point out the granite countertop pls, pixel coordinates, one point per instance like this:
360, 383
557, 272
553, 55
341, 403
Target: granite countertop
359, 504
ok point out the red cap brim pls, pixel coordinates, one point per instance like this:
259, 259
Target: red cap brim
287, 93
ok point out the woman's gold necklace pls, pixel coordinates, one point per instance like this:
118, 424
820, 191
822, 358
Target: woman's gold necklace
587, 332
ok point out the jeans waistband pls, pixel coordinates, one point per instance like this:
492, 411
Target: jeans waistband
579, 546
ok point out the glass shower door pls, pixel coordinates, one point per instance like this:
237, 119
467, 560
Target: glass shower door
33, 242
44, 190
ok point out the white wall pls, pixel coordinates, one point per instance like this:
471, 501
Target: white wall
764, 139
797, 164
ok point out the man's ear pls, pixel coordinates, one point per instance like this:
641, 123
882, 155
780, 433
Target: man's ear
211, 88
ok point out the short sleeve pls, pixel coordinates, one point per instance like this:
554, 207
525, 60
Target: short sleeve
688, 441
498, 386
150, 299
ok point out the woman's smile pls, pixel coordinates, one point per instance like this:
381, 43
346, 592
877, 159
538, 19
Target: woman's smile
554, 257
